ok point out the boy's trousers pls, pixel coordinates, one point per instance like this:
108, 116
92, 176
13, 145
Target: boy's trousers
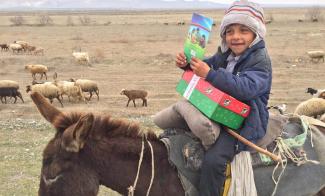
214, 164
183, 115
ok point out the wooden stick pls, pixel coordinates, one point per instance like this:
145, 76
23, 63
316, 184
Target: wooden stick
254, 146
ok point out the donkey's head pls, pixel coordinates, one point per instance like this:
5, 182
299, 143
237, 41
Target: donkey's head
64, 168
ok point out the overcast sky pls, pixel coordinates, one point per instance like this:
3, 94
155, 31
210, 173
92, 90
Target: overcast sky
90, 3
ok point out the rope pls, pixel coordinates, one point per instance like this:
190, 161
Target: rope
131, 188
284, 163
283, 146
152, 167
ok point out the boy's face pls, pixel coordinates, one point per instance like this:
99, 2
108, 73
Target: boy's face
238, 38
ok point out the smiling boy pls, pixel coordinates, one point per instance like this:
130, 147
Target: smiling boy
241, 68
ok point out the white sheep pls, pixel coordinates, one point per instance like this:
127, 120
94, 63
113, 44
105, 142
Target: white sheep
318, 54
89, 86
135, 94
48, 90
15, 48
37, 69
71, 89
81, 57
311, 107
8, 83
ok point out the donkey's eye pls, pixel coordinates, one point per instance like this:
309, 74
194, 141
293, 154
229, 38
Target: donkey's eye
47, 161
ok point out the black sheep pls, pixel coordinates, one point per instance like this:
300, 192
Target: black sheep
10, 92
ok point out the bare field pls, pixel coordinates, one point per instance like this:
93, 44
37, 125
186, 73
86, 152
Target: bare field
132, 50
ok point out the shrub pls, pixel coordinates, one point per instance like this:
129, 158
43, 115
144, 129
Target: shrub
17, 20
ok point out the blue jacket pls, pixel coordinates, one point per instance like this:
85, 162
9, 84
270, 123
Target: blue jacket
250, 83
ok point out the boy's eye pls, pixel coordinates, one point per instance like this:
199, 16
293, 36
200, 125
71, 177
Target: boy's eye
228, 31
245, 30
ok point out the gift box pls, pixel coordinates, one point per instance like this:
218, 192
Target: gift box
212, 102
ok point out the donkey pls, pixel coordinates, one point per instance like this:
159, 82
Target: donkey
88, 151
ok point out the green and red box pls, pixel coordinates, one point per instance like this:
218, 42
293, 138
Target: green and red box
215, 104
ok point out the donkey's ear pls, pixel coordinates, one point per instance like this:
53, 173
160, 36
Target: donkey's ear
74, 138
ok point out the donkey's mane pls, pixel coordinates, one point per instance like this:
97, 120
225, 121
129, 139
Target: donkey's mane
104, 125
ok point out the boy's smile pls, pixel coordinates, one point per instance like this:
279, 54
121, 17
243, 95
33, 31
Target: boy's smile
238, 38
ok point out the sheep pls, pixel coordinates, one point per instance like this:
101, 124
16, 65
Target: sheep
81, 57
89, 86
16, 48
316, 55
37, 69
322, 95
30, 49
8, 83
47, 89
311, 107
4, 47
10, 92
39, 51
281, 108
316, 92
71, 89
23, 44
135, 94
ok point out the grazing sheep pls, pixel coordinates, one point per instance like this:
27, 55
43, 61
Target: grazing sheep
4, 47
16, 48
47, 89
10, 92
30, 49
81, 57
89, 86
39, 51
311, 107
8, 83
23, 44
316, 55
37, 69
135, 94
71, 89
316, 92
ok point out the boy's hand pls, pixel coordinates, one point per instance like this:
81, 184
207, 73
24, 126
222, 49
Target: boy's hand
199, 67
181, 60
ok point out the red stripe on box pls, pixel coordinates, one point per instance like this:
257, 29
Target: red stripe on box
223, 99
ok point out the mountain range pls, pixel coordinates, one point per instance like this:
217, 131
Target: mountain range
120, 4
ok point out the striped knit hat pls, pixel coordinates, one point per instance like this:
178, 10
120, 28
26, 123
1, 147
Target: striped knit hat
246, 13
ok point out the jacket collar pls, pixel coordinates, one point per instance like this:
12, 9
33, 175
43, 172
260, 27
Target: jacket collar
223, 56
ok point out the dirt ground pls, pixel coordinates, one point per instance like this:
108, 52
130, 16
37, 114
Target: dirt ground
136, 50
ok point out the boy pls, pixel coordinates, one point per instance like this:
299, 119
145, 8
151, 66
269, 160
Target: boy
242, 69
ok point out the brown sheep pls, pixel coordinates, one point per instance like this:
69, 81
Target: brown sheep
37, 69
135, 94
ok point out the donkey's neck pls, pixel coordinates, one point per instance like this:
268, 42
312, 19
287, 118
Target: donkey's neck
116, 161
